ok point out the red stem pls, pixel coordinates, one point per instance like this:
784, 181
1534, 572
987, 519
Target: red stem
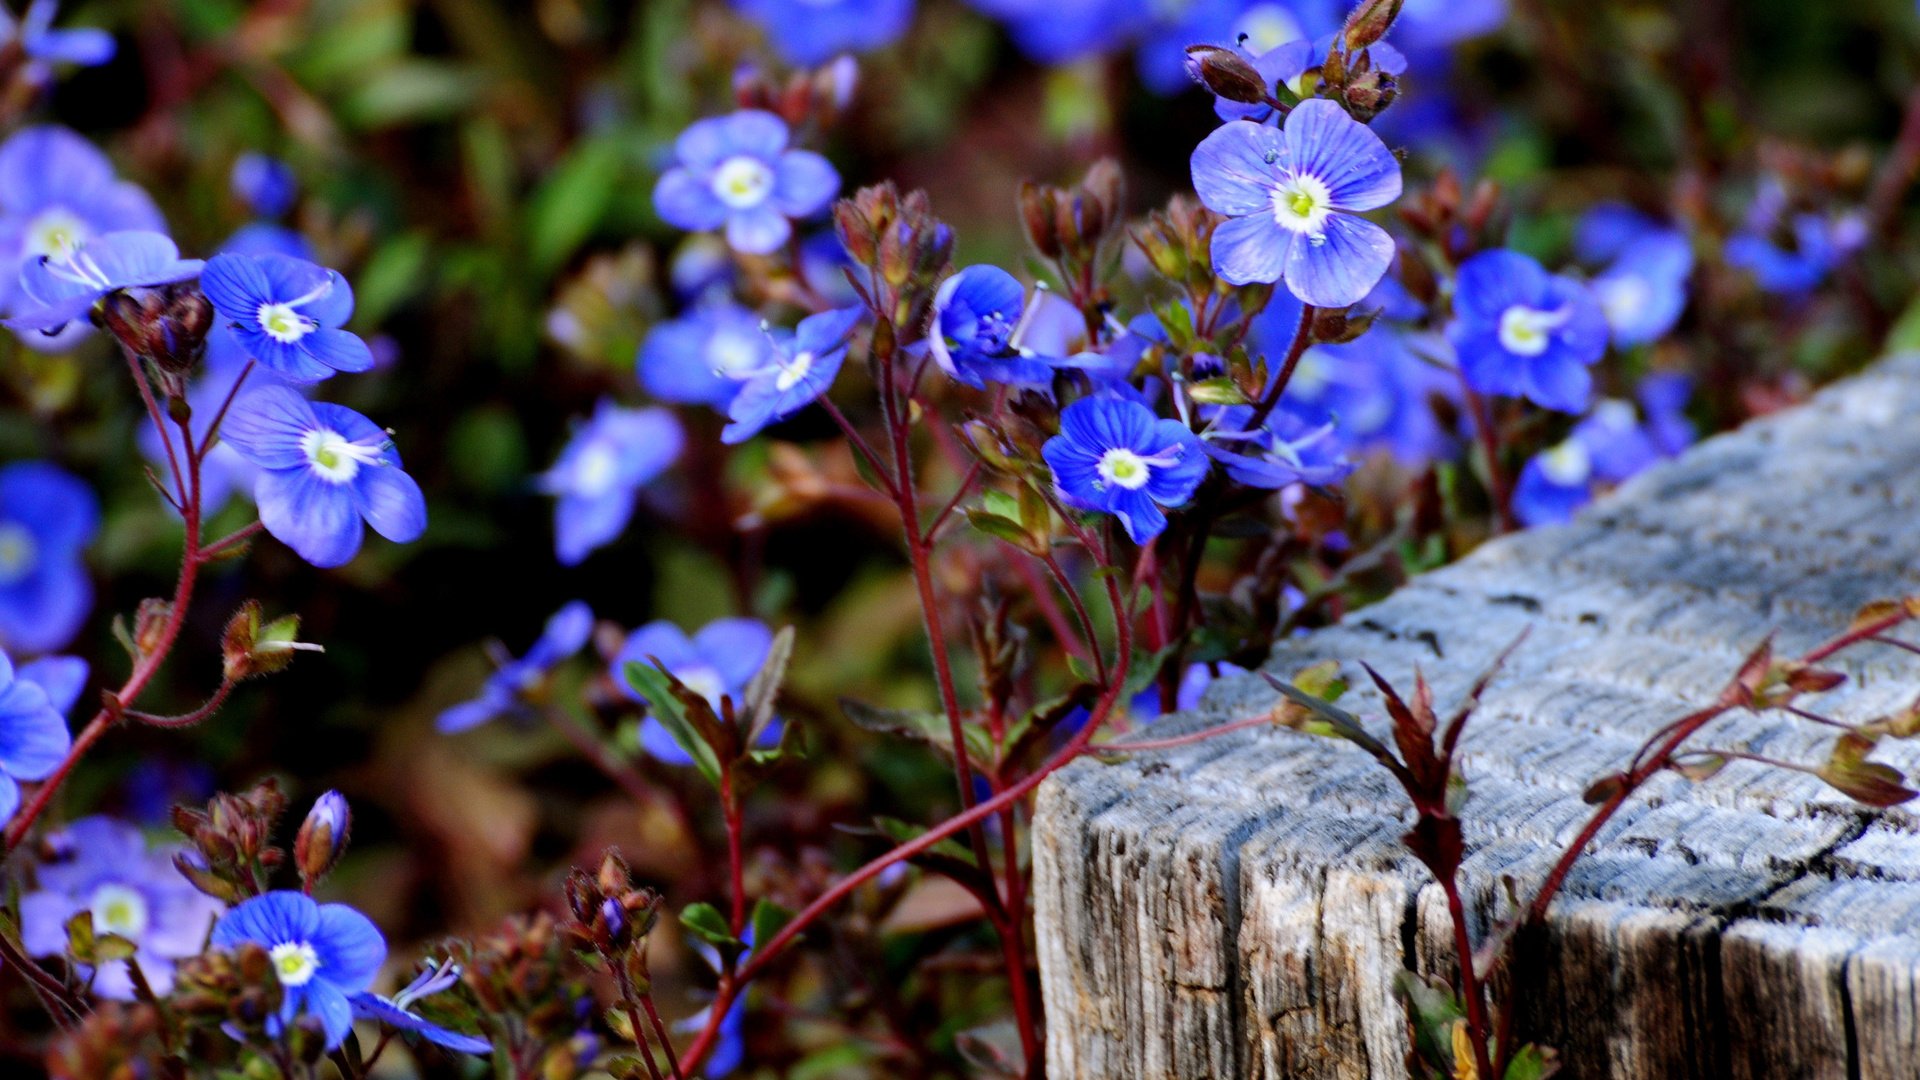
1490, 448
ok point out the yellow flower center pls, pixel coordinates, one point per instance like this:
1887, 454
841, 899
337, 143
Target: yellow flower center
295, 962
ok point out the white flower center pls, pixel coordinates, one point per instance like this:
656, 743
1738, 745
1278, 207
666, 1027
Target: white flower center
793, 371
1526, 331
57, 233
335, 457
283, 324
18, 552
1267, 27
1568, 464
702, 680
1122, 467
295, 962
1614, 415
1301, 204
733, 355
1623, 298
118, 909
742, 182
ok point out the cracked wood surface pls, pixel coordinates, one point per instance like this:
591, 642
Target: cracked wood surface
1240, 907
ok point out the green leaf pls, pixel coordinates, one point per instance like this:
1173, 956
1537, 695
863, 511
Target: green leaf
395, 272
570, 205
1432, 1010
1001, 528
1001, 504
657, 688
705, 922
768, 920
949, 856
764, 689
920, 726
1533, 1063
411, 92
1220, 391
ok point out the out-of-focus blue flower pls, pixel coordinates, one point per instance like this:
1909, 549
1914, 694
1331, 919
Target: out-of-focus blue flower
84, 47
801, 367
396, 1012
1062, 31
267, 185
979, 320
33, 734
702, 357
1434, 24
57, 191
719, 659
1193, 685
286, 313
700, 265
1116, 457
811, 32
600, 473
1291, 196
323, 468
225, 354
1819, 245
1522, 332
103, 866
1606, 448
1283, 451
737, 171
1644, 290
323, 955
62, 291
1256, 28
224, 473
1663, 398
566, 633
47, 516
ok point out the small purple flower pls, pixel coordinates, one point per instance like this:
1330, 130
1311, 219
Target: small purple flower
1062, 31
1663, 398
566, 633
720, 659
104, 867
1519, 331
801, 367
737, 171
323, 469
1115, 457
807, 33
600, 473
33, 734
1285, 450
286, 313
323, 955
1606, 448
397, 1013
84, 47
702, 357
1644, 292
47, 516
980, 318
62, 291
1291, 197
1145, 707
267, 185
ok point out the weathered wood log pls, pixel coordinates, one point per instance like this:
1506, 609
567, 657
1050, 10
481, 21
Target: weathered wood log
1241, 906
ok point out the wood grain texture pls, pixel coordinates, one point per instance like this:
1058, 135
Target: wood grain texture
1240, 907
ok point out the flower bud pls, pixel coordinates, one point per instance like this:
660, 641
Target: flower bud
1370, 22
322, 838
1226, 74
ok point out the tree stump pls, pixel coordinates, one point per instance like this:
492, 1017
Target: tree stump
1241, 906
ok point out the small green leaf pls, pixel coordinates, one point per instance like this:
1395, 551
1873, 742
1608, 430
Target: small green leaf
768, 919
705, 922
1220, 391
764, 688
1533, 1063
657, 688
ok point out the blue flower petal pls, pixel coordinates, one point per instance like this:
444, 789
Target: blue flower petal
391, 502
1321, 140
684, 201
1250, 250
266, 425
1340, 265
1234, 169
759, 230
804, 183
315, 517
350, 948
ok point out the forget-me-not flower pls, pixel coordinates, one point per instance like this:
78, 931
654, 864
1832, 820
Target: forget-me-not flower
265, 184
980, 318
1062, 31
104, 866
1519, 331
737, 171
801, 367
811, 32
1283, 451
600, 473
719, 659
1644, 289
1291, 196
1606, 448
33, 734
47, 515
322, 954
702, 357
1116, 457
396, 1012
565, 634
62, 291
286, 313
323, 469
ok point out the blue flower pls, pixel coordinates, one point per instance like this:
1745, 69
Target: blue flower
286, 313
1643, 293
701, 357
1062, 31
737, 171
1433, 24
1663, 398
57, 191
265, 184
47, 516
566, 633
600, 473
1606, 448
1285, 450
396, 1012
1819, 245
103, 866
224, 474
62, 291
811, 32
1145, 707
85, 47
323, 468
1280, 66
1116, 457
980, 316
33, 734
1521, 332
1290, 197
801, 367
323, 954
720, 659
